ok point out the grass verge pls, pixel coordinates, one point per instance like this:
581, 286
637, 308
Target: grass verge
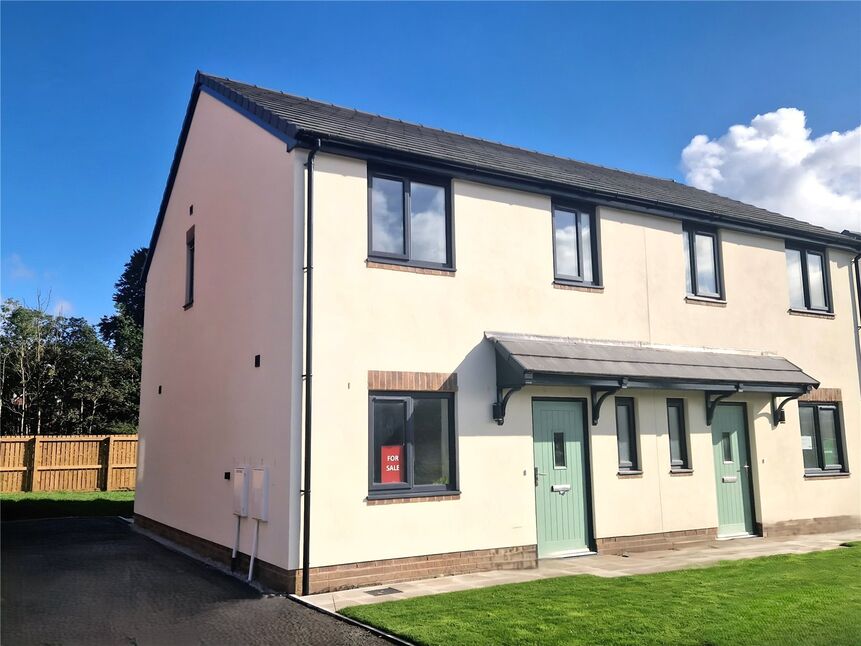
57, 504
804, 600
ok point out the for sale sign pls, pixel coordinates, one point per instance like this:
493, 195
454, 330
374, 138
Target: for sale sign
391, 461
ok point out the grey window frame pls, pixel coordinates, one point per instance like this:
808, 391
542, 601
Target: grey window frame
678, 404
633, 465
189, 268
804, 251
406, 179
840, 440
579, 210
691, 232
409, 488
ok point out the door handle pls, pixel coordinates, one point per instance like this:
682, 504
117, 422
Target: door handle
538, 474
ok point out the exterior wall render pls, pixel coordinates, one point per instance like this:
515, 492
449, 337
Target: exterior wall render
216, 410
400, 321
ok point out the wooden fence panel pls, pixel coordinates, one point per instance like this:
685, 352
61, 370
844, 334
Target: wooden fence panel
68, 463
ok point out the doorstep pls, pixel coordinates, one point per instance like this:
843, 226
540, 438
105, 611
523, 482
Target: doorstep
603, 565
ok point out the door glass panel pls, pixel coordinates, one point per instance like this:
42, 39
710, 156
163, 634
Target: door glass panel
390, 423
816, 281
427, 223
726, 447
387, 216
828, 435
808, 437
706, 265
559, 450
565, 239
796, 280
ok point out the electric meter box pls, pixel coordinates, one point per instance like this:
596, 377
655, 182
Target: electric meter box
259, 506
240, 491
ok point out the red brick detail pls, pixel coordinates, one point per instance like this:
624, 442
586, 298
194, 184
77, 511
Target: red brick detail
822, 395
393, 571
413, 381
354, 575
398, 501
812, 525
271, 576
659, 541
408, 268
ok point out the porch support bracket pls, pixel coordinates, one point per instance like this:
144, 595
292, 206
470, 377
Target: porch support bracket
714, 398
599, 394
778, 415
501, 403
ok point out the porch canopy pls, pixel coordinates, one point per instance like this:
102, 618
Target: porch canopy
605, 367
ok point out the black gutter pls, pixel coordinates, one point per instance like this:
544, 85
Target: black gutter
309, 311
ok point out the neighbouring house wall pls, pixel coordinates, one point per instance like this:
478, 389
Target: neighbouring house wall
217, 410
369, 318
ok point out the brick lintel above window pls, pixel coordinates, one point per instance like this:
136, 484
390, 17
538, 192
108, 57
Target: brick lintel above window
412, 381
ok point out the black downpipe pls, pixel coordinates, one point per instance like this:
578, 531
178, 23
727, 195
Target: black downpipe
309, 300
855, 261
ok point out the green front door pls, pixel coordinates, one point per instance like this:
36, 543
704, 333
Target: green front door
560, 477
732, 471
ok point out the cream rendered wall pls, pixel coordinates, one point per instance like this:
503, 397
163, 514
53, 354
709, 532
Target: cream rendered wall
217, 410
379, 319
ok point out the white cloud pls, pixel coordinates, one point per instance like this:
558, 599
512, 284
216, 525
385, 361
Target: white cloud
63, 307
775, 164
17, 269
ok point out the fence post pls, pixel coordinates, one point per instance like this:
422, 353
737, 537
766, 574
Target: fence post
34, 464
109, 463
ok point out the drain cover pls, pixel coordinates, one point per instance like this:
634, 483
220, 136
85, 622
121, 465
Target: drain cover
382, 591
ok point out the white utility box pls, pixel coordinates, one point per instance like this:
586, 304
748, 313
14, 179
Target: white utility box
240, 491
260, 493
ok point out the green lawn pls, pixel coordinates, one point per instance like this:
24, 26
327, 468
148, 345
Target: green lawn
776, 600
55, 504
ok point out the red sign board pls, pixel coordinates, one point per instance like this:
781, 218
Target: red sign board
391, 459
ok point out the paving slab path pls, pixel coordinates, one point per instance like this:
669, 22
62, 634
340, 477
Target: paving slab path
94, 581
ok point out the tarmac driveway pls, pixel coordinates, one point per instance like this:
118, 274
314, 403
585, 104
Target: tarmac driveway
95, 581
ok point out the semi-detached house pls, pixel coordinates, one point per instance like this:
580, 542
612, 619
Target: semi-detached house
437, 354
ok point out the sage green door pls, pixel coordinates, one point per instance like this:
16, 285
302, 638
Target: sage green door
732, 470
560, 477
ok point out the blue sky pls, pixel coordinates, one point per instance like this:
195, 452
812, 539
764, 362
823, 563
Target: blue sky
93, 95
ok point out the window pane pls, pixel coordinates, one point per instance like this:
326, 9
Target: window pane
686, 237
706, 267
565, 239
677, 435
427, 223
431, 436
816, 281
828, 436
726, 447
623, 436
390, 422
387, 217
586, 246
796, 287
808, 437
559, 450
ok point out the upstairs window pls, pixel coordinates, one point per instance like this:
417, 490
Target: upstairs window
575, 250
189, 267
821, 440
702, 263
808, 279
410, 220
412, 443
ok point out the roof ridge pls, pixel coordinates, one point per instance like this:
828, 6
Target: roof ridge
453, 132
